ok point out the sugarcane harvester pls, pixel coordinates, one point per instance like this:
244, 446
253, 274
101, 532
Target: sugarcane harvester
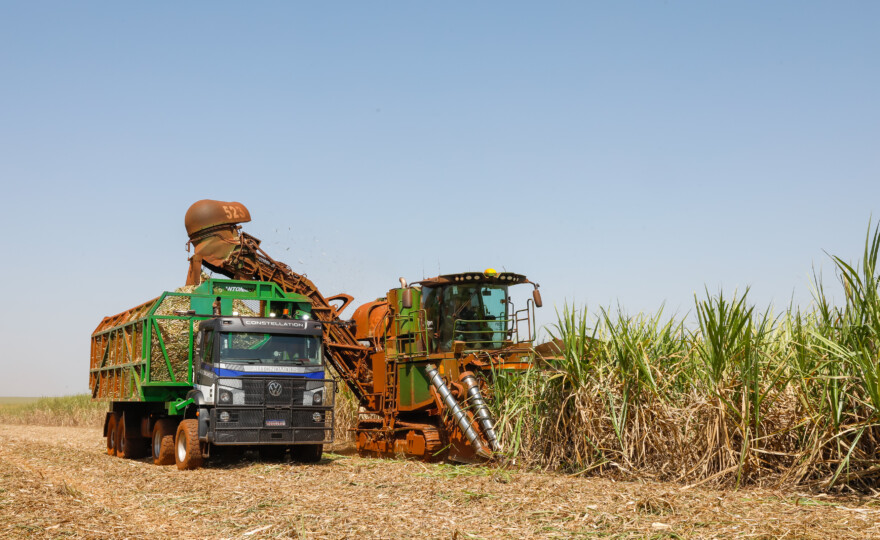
419, 361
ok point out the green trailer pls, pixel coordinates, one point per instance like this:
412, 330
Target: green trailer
225, 364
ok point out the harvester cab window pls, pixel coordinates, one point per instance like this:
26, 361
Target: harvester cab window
282, 349
475, 314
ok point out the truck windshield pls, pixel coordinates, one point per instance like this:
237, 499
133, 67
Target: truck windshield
259, 348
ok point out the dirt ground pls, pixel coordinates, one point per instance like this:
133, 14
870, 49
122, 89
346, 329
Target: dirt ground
59, 482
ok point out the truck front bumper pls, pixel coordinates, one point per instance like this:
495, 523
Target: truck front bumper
254, 426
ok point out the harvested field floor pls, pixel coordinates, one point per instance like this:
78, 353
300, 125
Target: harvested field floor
59, 482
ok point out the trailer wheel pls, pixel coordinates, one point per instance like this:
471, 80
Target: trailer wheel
163, 442
307, 453
122, 444
188, 454
112, 423
128, 447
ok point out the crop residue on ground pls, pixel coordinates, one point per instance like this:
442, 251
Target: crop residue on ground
58, 481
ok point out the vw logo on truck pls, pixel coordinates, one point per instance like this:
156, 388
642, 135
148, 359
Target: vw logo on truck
274, 388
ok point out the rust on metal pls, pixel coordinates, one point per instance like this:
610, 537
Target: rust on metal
212, 227
206, 214
368, 320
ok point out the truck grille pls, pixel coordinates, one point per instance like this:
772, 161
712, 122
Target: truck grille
281, 391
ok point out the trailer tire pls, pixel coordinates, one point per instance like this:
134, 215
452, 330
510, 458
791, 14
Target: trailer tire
307, 453
188, 452
112, 423
163, 442
128, 447
123, 444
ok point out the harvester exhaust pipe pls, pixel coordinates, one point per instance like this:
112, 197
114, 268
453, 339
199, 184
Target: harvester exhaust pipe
460, 416
481, 411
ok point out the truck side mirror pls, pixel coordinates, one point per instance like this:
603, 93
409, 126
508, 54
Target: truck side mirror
536, 296
407, 298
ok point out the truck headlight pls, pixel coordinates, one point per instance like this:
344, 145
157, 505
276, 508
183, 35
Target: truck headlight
317, 398
224, 416
225, 396
317, 417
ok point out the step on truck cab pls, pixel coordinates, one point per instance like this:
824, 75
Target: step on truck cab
223, 366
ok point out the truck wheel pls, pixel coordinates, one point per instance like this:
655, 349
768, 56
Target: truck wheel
112, 422
307, 453
188, 454
163, 442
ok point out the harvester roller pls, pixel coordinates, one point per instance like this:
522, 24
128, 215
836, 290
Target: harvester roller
458, 413
481, 411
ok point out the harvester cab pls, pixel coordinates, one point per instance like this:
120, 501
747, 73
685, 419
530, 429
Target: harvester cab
472, 311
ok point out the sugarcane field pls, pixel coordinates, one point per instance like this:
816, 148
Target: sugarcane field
435, 402
440, 271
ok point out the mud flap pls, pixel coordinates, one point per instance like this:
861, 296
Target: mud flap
204, 423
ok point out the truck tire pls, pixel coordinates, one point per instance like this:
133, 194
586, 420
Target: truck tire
163, 442
307, 453
112, 423
188, 453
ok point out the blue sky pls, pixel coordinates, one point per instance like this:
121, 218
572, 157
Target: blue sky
614, 152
